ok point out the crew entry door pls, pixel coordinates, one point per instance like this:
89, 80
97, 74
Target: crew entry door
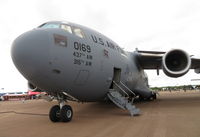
116, 77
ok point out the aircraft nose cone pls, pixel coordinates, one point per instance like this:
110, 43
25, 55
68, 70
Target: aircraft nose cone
30, 53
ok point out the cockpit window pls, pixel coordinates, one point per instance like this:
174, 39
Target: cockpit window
78, 32
50, 25
66, 27
71, 29
122, 51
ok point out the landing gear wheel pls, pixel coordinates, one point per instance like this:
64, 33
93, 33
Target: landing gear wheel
141, 98
66, 113
154, 96
54, 114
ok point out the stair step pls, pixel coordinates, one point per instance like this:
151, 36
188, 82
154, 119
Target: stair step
132, 109
122, 102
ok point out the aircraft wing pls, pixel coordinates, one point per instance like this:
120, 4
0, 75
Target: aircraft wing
174, 63
195, 63
150, 59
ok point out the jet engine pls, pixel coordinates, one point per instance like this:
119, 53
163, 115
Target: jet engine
32, 87
176, 63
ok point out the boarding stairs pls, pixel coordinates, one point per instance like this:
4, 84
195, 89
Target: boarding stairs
120, 95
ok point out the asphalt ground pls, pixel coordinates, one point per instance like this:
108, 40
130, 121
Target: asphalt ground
173, 114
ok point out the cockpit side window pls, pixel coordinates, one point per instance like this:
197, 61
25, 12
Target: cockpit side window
66, 27
78, 32
50, 25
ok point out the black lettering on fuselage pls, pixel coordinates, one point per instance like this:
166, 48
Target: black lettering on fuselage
97, 40
103, 42
82, 47
94, 38
110, 45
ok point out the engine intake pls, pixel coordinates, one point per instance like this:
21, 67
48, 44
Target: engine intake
176, 63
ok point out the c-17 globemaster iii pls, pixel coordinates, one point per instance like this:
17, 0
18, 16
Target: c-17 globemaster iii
72, 62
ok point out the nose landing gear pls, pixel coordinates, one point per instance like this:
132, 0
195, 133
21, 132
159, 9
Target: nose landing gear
64, 114
61, 112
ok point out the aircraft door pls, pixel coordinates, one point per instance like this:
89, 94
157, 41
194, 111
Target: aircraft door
116, 76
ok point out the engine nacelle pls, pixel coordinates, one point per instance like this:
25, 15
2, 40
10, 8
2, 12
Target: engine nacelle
176, 63
32, 87
197, 70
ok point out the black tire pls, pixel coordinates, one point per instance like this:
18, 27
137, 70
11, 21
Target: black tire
66, 113
141, 98
54, 113
155, 96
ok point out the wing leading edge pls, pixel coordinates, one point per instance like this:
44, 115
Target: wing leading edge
174, 63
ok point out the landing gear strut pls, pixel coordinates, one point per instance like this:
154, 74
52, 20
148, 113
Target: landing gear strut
61, 112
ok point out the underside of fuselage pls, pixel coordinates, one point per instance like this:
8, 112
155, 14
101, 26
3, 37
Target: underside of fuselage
93, 84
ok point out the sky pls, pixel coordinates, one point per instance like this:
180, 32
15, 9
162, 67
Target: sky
147, 25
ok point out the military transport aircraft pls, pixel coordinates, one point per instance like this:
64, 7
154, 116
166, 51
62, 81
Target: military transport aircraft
72, 62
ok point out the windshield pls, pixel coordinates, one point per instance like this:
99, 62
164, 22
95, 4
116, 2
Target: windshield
71, 29
51, 25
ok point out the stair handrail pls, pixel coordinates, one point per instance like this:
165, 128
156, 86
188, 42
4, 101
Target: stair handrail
120, 88
127, 88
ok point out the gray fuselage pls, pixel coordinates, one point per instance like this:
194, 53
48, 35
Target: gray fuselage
56, 60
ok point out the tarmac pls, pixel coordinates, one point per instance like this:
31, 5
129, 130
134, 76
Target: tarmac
173, 114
